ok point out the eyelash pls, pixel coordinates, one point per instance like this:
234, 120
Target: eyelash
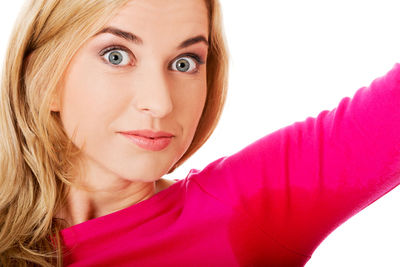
112, 48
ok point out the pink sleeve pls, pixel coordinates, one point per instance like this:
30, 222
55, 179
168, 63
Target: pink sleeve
301, 182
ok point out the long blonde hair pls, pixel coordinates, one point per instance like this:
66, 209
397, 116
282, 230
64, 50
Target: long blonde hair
36, 156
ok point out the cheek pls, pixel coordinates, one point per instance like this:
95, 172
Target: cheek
88, 102
192, 105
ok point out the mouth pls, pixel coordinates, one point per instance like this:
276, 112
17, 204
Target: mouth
149, 134
149, 137
149, 142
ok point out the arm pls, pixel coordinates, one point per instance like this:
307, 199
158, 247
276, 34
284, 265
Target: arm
301, 182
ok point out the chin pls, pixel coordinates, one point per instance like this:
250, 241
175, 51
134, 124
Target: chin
149, 173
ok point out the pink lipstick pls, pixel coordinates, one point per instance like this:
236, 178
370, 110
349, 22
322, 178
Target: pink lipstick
149, 140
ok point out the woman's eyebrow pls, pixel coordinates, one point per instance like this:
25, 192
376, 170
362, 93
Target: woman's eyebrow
137, 40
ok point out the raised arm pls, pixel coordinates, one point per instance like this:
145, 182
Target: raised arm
301, 182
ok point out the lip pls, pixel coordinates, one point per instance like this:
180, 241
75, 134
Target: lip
149, 140
148, 133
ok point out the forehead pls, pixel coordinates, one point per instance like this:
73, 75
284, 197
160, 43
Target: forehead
163, 18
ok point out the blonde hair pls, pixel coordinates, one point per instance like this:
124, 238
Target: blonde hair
36, 156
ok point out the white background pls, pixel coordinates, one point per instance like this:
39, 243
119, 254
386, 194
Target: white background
290, 60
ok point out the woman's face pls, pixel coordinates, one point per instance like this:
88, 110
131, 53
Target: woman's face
143, 71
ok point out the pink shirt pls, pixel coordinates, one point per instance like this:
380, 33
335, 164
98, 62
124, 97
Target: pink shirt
272, 203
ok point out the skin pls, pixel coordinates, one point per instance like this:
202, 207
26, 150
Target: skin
99, 98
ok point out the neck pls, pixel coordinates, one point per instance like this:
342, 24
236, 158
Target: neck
82, 205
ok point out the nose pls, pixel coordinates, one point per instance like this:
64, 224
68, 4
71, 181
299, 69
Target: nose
154, 96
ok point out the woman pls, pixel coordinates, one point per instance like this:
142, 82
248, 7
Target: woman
85, 182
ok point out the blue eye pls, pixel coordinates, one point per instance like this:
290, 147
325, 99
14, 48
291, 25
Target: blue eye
183, 64
116, 57
120, 57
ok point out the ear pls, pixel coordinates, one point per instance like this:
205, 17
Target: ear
55, 103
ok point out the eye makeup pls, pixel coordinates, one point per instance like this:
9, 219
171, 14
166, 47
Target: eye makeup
115, 47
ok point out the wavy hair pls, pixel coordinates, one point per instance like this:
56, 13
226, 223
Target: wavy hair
36, 156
